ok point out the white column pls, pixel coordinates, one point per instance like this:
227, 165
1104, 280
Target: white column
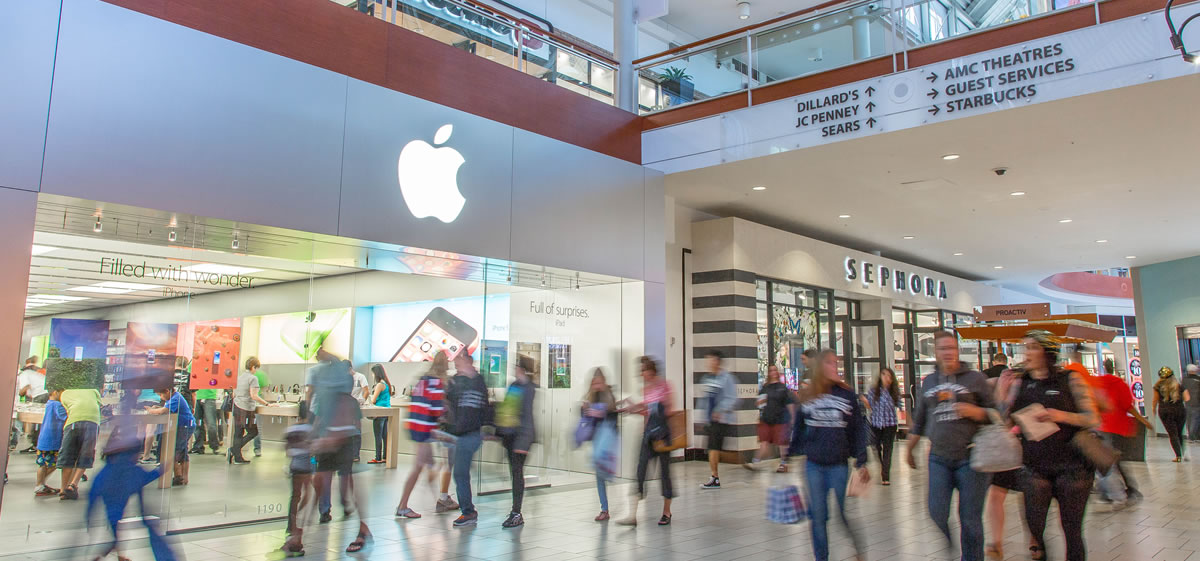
861, 24
624, 50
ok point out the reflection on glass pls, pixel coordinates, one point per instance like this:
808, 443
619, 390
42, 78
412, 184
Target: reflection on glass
705, 74
924, 346
928, 319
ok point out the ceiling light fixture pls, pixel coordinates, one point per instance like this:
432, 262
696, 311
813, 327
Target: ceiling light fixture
1018, 193
221, 269
114, 287
235, 241
743, 10
1131, 257
98, 227
42, 249
958, 254
949, 157
758, 188
998, 267
843, 216
1101, 241
909, 237
1065, 221
171, 236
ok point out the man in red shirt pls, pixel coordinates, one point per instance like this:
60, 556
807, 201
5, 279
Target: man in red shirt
1116, 404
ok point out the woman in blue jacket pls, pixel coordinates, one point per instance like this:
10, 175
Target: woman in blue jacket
829, 429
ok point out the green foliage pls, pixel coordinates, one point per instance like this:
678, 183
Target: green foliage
674, 73
68, 374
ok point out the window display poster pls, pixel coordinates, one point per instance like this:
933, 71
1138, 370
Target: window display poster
149, 355
532, 351
414, 331
495, 363
294, 338
39, 346
560, 366
794, 330
76, 355
216, 356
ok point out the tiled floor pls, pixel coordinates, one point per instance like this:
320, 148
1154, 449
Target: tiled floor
714, 525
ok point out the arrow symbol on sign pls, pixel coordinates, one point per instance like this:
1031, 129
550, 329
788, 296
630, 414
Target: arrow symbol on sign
932, 77
932, 94
870, 106
870, 91
871, 122
934, 110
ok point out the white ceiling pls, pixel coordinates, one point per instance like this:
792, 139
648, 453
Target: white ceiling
706, 18
1120, 164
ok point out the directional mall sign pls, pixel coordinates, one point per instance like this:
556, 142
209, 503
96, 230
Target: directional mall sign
1122, 53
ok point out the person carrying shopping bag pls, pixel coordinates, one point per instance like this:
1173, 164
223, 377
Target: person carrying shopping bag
829, 429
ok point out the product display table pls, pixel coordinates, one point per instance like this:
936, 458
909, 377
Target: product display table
30, 414
291, 413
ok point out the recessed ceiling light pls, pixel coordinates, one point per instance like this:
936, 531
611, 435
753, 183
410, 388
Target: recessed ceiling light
1131, 257
843, 216
114, 287
998, 267
958, 254
909, 237
1101, 241
759, 188
42, 249
1018, 193
1065, 221
221, 269
950, 157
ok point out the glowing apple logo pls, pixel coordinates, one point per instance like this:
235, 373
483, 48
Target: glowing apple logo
429, 177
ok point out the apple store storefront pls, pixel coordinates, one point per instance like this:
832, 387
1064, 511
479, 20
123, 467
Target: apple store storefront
291, 209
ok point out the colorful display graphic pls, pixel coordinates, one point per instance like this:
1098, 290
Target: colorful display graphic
149, 355
413, 331
494, 365
560, 366
216, 356
76, 356
294, 338
533, 352
794, 331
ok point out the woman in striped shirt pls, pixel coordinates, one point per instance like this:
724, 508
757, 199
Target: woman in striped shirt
424, 411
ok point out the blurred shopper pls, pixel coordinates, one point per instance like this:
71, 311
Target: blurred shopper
656, 406
1013, 480
381, 396
1115, 402
469, 409
999, 365
263, 383
245, 401
950, 406
720, 399
1058, 470
337, 438
1169, 397
1191, 384
176, 404
600, 404
775, 402
514, 426
208, 414
881, 401
297, 440
49, 442
829, 429
80, 431
120, 480
424, 415
31, 386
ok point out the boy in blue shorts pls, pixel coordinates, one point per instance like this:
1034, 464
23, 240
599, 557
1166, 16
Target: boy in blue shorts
48, 443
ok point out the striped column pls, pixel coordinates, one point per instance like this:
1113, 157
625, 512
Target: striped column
724, 318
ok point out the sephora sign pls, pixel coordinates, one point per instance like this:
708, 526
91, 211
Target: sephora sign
899, 281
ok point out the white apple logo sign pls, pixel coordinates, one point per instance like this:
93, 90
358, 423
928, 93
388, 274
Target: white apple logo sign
429, 177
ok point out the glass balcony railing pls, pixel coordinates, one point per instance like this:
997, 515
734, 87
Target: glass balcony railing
482, 33
817, 42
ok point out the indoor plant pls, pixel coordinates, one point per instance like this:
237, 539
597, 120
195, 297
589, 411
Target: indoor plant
677, 85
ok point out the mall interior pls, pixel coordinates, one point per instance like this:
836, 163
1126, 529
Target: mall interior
197, 193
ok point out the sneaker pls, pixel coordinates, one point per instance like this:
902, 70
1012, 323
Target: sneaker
514, 519
446, 505
29, 450
326, 517
199, 451
467, 520
713, 483
258, 453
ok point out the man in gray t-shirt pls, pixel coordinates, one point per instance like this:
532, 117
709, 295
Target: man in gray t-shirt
950, 406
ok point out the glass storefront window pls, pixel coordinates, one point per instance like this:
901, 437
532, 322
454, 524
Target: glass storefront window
930, 318
182, 303
789, 324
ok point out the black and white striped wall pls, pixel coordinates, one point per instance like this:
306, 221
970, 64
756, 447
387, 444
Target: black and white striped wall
724, 318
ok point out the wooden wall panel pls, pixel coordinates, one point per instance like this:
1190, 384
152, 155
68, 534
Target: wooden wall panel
697, 110
339, 39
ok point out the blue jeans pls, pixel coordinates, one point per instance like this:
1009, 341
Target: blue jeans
602, 489
946, 476
464, 451
821, 479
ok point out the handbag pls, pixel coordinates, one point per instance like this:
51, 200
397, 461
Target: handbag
1099, 454
784, 504
585, 430
995, 448
671, 434
858, 487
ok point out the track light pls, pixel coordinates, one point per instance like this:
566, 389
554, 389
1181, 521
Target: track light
576, 281
743, 10
98, 227
235, 241
171, 236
